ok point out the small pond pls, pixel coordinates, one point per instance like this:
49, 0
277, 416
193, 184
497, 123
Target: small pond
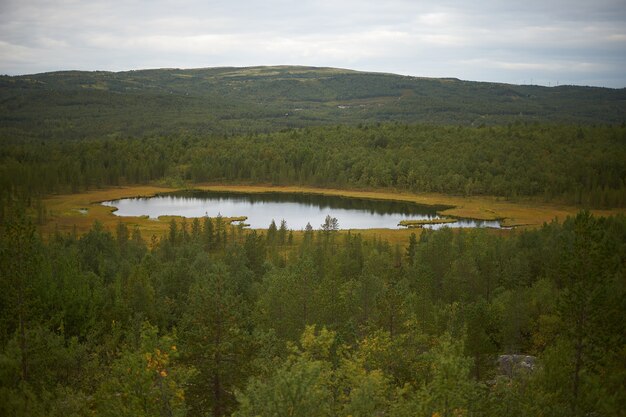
297, 209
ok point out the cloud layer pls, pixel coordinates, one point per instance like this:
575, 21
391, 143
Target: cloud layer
543, 42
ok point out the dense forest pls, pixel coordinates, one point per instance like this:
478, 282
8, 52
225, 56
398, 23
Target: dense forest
580, 165
212, 320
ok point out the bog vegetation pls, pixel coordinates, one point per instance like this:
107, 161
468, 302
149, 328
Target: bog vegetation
215, 320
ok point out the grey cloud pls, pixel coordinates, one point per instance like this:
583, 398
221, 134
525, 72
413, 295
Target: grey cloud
573, 41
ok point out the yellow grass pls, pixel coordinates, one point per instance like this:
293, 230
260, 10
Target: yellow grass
64, 214
527, 213
420, 223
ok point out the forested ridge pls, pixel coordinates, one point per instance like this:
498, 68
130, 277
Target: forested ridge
81, 104
211, 319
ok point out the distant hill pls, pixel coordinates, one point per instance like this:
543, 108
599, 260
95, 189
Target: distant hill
78, 104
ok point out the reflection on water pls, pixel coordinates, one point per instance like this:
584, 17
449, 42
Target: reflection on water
297, 209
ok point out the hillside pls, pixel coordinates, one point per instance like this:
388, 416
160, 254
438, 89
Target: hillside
75, 104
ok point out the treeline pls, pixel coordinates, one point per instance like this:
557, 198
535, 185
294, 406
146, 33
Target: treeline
573, 164
216, 320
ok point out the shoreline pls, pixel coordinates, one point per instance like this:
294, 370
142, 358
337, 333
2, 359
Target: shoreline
63, 209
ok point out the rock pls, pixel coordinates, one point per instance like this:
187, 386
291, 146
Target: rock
515, 365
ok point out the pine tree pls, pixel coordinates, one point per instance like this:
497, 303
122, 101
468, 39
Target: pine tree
331, 224
410, 250
195, 229
271, 233
282, 232
208, 235
173, 233
216, 341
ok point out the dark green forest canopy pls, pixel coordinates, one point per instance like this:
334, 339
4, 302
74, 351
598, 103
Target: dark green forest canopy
215, 320
581, 165
77, 104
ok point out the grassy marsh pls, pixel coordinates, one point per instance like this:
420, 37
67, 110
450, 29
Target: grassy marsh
78, 212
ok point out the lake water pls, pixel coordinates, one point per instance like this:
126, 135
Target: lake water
297, 209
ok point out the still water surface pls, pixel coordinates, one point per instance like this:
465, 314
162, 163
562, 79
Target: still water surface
296, 209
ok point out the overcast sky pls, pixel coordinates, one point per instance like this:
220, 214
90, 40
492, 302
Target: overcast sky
522, 41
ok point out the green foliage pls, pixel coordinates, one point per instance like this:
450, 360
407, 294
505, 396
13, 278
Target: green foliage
333, 326
546, 162
272, 232
77, 105
369, 390
449, 391
295, 389
282, 232
330, 224
216, 340
145, 381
